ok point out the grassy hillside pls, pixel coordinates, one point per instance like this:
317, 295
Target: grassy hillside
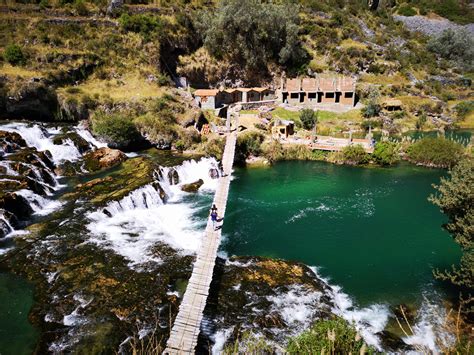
76, 57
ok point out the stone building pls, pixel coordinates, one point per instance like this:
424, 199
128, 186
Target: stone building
319, 90
214, 98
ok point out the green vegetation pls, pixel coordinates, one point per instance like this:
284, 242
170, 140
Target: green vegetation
144, 24
455, 197
355, 155
333, 336
456, 46
248, 144
253, 34
464, 108
308, 118
248, 343
114, 128
13, 54
372, 107
436, 152
406, 10
386, 153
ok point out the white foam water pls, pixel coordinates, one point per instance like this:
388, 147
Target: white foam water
430, 332
82, 130
40, 205
368, 321
132, 226
41, 138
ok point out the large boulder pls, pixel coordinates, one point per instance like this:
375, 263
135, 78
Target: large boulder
80, 143
103, 158
11, 141
192, 187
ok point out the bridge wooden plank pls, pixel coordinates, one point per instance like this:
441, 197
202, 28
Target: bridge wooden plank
186, 327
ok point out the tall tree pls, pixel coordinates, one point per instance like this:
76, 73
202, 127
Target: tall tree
455, 197
252, 33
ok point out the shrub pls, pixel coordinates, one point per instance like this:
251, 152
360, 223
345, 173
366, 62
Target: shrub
80, 7
406, 10
386, 153
248, 144
273, 151
420, 122
464, 108
308, 118
354, 155
114, 128
456, 46
146, 25
214, 147
298, 152
372, 107
437, 152
179, 145
253, 33
333, 336
13, 54
159, 128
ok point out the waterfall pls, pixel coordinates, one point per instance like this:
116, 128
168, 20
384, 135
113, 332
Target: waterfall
82, 130
41, 138
153, 214
40, 205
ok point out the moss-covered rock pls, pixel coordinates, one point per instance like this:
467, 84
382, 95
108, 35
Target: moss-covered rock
80, 143
130, 175
103, 158
192, 187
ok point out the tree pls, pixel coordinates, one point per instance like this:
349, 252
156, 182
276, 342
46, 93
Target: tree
14, 55
308, 118
372, 107
386, 153
455, 198
354, 154
456, 46
439, 152
252, 33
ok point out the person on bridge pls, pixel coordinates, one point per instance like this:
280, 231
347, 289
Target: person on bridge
214, 215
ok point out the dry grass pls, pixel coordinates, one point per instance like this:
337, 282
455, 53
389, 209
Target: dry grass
350, 43
414, 102
130, 87
14, 71
396, 79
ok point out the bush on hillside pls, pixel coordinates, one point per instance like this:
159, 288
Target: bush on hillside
386, 153
159, 128
456, 46
273, 151
331, 336
144, 24
437, 152
253, 33
248, 144
372, 107
308, 118
116, 129
464, 108
14, 55
406, 10
354, 155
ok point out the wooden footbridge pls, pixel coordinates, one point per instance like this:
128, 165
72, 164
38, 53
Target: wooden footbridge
185, 331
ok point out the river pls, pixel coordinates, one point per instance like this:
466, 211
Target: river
370, 232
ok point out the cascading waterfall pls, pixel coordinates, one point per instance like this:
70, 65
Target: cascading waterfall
130, 227
37, 172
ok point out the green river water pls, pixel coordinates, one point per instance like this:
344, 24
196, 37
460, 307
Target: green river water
370, 230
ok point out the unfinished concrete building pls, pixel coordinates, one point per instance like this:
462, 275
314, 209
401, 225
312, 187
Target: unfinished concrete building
319, 90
